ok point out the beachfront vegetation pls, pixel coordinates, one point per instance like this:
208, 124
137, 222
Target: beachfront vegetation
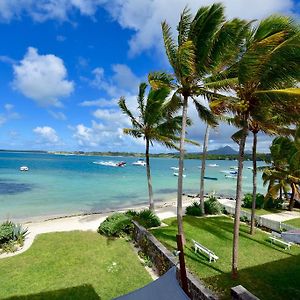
284, 172
248, 200
211, 207
266, 270
72, 265
202, 45
156, 122
194, 209
120, 224
12, 236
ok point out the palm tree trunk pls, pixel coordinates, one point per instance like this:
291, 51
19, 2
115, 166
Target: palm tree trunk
203, 165
180, 171
236, 225
280, 193
151, 202
292, 199
254, 178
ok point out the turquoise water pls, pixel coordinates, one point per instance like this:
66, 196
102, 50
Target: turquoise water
61, 185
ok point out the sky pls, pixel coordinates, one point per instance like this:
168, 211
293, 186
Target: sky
64, 64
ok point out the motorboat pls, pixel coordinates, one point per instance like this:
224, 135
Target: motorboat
233, 172
213, 165
140, 162
210, 178
176, 174
110, 163
24, 168
175, 168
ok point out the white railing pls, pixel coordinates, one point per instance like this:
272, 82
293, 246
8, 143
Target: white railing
262, 221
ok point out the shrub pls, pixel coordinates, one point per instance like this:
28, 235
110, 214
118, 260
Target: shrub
116, 225
244, 219
273, 203
131, 213
6, 232
260, 201
194, 209
147, 219
212, 206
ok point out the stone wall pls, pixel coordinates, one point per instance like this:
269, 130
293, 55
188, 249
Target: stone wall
240, 293
163, 260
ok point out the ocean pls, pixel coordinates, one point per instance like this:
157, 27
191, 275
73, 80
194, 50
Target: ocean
59, 185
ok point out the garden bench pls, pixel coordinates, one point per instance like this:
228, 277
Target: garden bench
275, 237
211, 255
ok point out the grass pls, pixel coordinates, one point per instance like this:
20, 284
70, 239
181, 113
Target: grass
294, 222
72, 265
266, 270
262, 211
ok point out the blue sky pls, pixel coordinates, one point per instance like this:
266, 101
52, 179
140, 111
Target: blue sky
65, 63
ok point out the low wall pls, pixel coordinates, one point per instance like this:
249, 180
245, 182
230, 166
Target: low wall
163, 260
240, 293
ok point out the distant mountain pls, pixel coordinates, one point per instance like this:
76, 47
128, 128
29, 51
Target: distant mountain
227, 150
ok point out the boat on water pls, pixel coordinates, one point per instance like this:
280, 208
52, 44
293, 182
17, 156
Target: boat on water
234, 168
210, 178
213, 165
24, 168
176, 174
140, 162
234, 176
233, 172
175, 168
110, 163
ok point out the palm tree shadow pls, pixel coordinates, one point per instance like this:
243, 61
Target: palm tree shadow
75, 293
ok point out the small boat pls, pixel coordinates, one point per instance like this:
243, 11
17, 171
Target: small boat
175, 168
176, 174
233, 172
250, 168
234, 168
213, 165
140, 162
210, 178
110, 163
24, 168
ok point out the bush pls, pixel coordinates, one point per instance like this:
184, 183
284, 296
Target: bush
244, 219
116, 225
212, 206
6, 232
147, 219
273, 203
260, 201
194, 209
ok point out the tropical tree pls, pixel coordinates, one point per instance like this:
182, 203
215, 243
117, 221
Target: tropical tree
156, 122
264, 75
202, 42
284, 173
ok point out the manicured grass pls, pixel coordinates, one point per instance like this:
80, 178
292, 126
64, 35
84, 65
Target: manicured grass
294, 222
262, 211
72, 265
267, 270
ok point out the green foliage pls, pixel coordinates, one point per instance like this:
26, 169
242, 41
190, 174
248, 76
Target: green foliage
260, 200
212, 206
6, 232
244, 219
146, 259
147, 219
131, 213
273, 203
194, 209
115, 225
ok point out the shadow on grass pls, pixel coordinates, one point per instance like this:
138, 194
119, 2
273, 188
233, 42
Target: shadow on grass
75, 293
275, 280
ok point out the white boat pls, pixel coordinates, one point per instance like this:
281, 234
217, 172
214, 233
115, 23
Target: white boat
213, 165
175, 168
24, 168
140, 162
176, 174
110, 163
250, 168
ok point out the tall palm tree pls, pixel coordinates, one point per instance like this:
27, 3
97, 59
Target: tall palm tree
156, 122
202, 43
266, 72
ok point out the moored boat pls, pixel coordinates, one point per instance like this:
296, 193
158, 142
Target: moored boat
24, 168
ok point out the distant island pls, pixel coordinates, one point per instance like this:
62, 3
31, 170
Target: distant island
223, 153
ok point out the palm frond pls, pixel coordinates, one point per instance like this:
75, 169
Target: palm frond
184, 26
141, 97
186, 59
126, 111
205, 114
161, 79
170, 46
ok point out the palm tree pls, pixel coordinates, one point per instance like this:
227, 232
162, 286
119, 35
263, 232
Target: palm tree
202, 43
266, 73
155, 123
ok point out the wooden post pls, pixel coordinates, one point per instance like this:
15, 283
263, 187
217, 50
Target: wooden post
183, 276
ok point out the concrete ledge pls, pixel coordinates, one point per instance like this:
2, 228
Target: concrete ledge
240, 293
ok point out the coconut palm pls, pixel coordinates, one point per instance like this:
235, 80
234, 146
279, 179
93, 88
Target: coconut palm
265, 74
156, 122
202, 42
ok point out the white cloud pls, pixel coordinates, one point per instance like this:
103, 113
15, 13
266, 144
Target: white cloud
100, 102
7, 59
121, 82
46, 135
42, 78
8, 114
58, 115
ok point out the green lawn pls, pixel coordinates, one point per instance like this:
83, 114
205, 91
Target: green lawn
72, 265
294, 222
262, 211
268, 271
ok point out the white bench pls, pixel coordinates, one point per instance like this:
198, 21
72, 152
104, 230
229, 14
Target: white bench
212, 256
276, 237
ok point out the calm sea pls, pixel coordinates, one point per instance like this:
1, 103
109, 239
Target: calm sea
59, 185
